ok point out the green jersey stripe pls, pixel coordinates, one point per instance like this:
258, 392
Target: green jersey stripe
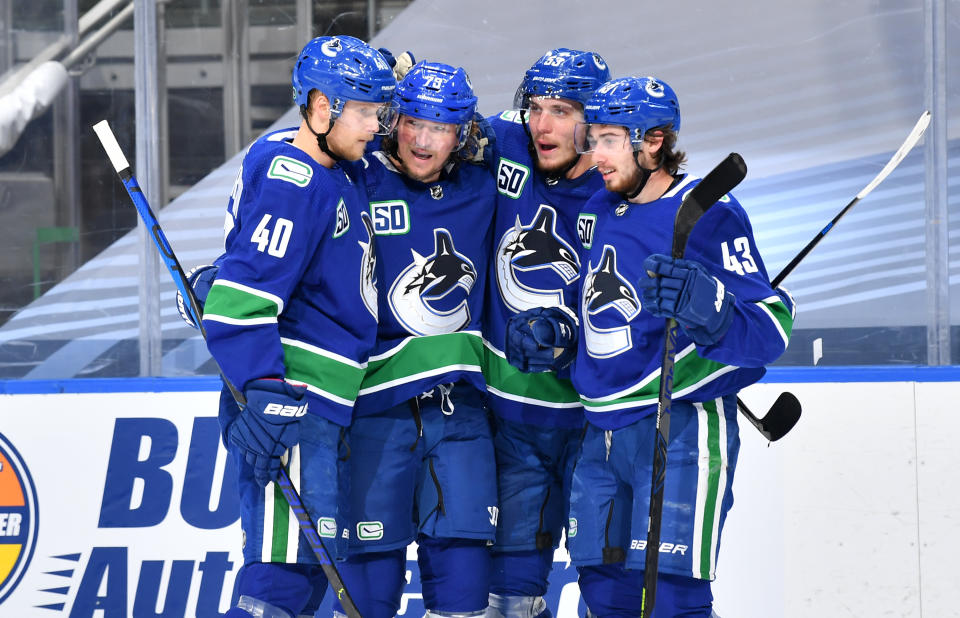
322, 374
321, 352
695, 372
780, 317
713, 464
418, 357
281, 522
239, 302
545, 389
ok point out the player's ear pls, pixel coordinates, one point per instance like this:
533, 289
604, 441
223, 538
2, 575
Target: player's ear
319, 107
654, 140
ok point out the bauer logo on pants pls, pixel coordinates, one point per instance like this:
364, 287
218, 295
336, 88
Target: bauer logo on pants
18, 518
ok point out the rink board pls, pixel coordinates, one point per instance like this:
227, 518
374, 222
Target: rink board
852, 514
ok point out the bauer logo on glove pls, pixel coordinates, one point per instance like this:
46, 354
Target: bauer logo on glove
282, 410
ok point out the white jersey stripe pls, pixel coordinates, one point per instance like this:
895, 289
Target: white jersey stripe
703, 476
266, 543
721, 489
213, 317
293, 525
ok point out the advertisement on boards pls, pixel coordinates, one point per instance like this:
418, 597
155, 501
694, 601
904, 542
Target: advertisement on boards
122, 504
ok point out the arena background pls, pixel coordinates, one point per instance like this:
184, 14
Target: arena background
107, 400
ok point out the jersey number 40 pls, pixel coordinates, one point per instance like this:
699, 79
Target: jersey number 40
272, 238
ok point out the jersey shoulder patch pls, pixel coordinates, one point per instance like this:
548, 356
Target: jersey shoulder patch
290, 170
586, 225
343, 220
511, 115
511, 177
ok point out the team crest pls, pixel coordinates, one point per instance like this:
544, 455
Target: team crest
18, 526
534, 264
368, 268
655, 88
290, 170
605, 289
429, 297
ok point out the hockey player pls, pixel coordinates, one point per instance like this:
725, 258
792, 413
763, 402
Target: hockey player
732, 324
421, 458
292, 314
542, 182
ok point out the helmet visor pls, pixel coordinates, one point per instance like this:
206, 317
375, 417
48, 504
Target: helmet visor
590, 138
378, 118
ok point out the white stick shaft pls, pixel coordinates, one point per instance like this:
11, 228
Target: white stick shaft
109, 141
898, 156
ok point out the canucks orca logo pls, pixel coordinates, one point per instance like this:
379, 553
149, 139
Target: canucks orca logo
429, 297
368, 268
18, 518
535, 250
605, 288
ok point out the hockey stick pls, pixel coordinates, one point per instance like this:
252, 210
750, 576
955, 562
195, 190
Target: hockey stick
915, 134
785, 412
720, 181
307, 528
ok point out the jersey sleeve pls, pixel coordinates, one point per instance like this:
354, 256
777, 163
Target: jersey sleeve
762, 319
276, 230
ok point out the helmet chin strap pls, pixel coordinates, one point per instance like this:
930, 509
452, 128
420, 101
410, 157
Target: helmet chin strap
644, 177
321, 137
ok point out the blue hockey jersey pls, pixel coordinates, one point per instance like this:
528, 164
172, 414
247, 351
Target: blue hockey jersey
619, 355
433, 245
535, 264
295, 296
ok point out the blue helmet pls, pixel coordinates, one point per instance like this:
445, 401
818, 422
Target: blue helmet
343, 68
563, 73
438, 92
637, 103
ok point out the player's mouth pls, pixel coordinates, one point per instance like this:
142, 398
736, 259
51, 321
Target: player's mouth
546, 148
421, 155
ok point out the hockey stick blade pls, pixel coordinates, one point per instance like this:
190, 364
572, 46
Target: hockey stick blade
721, 180
307, 527
780, 418
772, 422
915, 134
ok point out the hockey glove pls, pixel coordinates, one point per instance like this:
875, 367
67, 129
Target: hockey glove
201, 279
542, 339
401, 64
268, 425
685, 291
480, 142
